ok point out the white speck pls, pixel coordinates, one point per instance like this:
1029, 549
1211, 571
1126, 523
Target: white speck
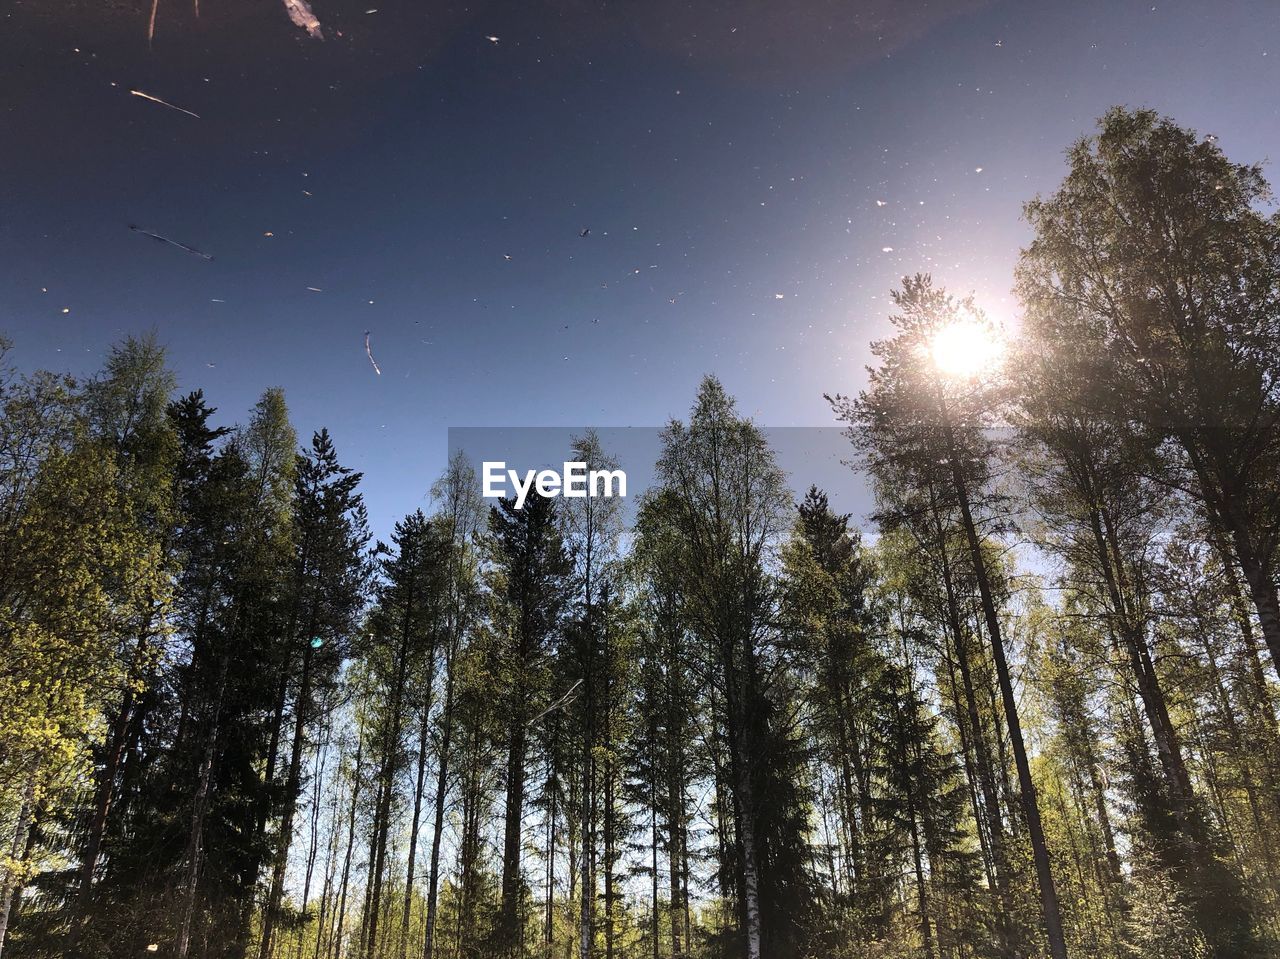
977, 169
492, 39
886, 249
778, 296
66, 309
881, 203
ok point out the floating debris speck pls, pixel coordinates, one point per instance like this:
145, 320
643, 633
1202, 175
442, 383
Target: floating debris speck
300, 13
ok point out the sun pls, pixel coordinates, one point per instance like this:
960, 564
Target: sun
965, 348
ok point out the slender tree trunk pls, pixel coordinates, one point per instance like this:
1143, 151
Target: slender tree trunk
442, 788
586, 875
370, 892
654, 917
509, 924
971, 774
610, 856
313, 828
922, 898
292, 786
195, 842
387, 773
674, 845
548, 928
1258, 577
340, 914
750, 862
419, 785
331, 863
995, 832
19, 849
104, 794
1031, 808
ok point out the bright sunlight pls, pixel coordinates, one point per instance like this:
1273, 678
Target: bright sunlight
965, 348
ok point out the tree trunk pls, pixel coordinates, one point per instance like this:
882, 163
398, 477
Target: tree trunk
195, 843
509, 926
1031, 808
340, 914
292, 786
442, 786
19, 849
390, 752
419, 785
995, 836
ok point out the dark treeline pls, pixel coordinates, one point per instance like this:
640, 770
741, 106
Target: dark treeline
1032, 713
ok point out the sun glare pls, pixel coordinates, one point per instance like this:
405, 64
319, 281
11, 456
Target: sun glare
964, 349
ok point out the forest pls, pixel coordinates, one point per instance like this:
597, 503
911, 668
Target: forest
1027, 708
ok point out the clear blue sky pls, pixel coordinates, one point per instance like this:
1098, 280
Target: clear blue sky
773, 173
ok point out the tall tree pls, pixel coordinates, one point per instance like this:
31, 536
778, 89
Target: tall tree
1099, 513
402, 630
1155, 248
922, 421
531, 591
329, 574
729, 506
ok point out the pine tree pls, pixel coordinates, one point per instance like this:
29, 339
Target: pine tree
531, 592
921, 423
327, 586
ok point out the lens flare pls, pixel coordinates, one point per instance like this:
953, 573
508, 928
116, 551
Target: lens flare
965, 349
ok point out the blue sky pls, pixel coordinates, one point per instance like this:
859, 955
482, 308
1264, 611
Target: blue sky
771, 173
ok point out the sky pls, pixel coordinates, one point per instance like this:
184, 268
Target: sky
752, 179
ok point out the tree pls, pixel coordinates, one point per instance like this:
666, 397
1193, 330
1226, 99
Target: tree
922, 424
1154, 249
531, 592
728, 502
1106, 521
327, 594
400, 653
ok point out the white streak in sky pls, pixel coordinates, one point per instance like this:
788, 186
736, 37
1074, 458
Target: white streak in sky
163, 103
